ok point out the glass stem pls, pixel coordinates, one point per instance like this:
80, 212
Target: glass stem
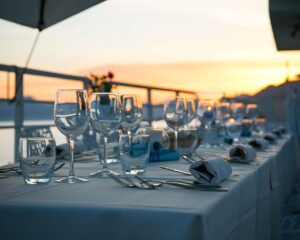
105, 167
175, 139
71, 145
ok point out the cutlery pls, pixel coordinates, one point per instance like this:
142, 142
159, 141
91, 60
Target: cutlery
121, 182
217, 155
184, 184
188, 159
176, 170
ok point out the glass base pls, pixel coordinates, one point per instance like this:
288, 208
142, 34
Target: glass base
104, 173
31, 181
134, 171
71, 179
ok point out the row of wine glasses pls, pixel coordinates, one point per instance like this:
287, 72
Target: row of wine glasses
180, 111
106, 112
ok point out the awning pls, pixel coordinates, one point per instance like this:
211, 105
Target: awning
285, 20
42, 13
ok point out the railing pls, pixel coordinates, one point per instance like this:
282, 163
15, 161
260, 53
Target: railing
19, 100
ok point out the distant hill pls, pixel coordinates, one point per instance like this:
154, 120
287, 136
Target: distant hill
272, 100
32, 111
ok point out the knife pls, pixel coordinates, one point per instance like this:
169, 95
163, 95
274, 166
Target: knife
175, 170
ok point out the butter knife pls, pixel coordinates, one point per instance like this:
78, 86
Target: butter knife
175, 170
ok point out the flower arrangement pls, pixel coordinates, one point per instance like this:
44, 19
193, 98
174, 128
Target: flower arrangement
100, 83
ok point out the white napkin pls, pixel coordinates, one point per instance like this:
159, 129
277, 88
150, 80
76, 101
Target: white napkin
210, 172
242, 154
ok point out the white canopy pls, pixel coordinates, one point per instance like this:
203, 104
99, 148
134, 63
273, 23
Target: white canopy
285, 19
42, 13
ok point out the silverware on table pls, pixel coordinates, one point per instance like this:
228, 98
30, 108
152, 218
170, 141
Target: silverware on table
175, 170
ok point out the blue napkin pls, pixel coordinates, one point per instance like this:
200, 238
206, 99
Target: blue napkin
159, 154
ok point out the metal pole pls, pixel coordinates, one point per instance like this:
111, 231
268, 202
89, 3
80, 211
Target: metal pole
19, 112
149, 106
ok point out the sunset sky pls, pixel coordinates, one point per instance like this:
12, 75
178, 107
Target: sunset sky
198, 45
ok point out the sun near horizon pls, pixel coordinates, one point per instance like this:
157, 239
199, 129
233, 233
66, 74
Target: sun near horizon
195, 45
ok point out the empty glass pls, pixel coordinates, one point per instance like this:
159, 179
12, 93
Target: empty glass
191, 110
131, 112
234, 129
206, 112
70, 116
187, 140
237, 110
105, 116
112, 146
134, 153
175, 114
37, 158
252, 113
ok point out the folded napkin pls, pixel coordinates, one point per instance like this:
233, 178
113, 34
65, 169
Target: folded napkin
63, 150
242, 154
210, 172
278, 132
159, 154
259, 144
271, 138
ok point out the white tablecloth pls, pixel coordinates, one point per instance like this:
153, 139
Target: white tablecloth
102, 209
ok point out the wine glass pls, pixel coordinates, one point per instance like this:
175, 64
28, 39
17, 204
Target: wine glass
234, 129
175, 114
223, 111
70, 116
191, 110
131, 112
105, 116
206, 112
237, 111
252, 113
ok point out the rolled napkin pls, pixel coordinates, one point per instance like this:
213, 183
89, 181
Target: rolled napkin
159, 154
63, 150
259, 144
271, 138
242, 154
210, 172
279, 132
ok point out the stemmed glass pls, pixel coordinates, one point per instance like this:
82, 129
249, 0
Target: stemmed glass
105, 116
237, 111
175, 114
70, 116
131, 112
252, 113
191, 110
207, 114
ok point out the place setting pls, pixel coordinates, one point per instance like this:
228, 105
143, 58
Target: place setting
204, 136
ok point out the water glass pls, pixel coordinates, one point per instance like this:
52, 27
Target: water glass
37, 158
134, 153
175, 114
234, 129
112, 147
187, 140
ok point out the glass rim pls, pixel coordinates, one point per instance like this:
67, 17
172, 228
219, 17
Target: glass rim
105, 93
140, 135
37, 138
70, 89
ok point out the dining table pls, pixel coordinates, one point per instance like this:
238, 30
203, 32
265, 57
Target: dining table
103, 209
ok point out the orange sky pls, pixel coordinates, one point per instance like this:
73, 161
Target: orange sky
196, 45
